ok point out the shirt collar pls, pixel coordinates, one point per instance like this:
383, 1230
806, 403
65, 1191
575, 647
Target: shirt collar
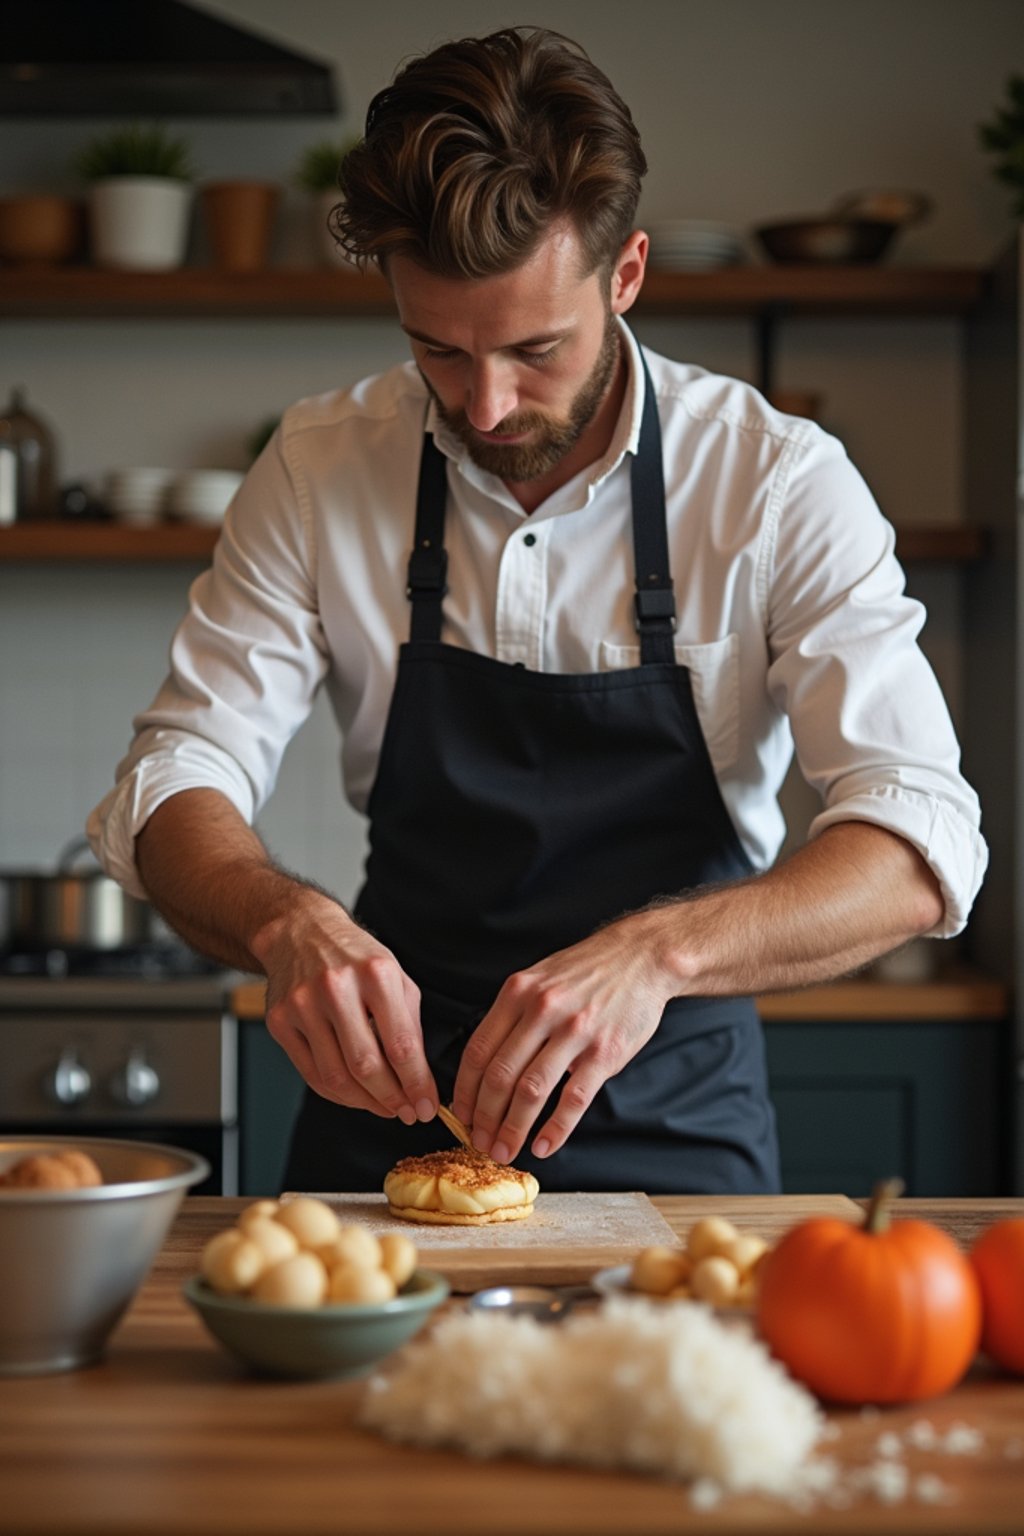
625, 438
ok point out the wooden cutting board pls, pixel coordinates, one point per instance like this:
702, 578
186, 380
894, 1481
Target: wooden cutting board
569, 1236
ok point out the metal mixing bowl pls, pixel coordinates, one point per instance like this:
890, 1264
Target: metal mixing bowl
71, 1260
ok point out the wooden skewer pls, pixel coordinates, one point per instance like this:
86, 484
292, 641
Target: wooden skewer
456, 1126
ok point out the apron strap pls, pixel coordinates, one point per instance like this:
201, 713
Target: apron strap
426, 581
427, 578
654, 602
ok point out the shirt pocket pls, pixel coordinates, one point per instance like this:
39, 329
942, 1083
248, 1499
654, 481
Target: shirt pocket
714, 671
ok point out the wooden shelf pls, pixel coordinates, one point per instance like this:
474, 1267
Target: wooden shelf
55, 542
962, 996
959, 995
87, 292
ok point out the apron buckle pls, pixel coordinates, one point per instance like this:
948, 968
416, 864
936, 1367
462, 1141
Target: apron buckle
654, 608
428, 571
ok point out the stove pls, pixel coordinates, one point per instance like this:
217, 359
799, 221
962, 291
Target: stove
157, 962
135, 1043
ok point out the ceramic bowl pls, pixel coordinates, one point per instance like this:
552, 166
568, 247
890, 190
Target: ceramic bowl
305, 1342
827, 241
71, 1260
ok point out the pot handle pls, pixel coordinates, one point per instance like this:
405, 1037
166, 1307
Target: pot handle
72, 852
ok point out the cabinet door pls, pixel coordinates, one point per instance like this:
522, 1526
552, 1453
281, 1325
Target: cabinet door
269, 1091
861, 1102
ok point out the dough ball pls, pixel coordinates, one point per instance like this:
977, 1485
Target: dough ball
87, 1174
231, 1263
746, 1252
398, 1256
299, 1281
353, 1244
710, 1235
275, 1241
260, 1210
659, 1269
43, 1170
715, 1280
312, 1221
357, 1283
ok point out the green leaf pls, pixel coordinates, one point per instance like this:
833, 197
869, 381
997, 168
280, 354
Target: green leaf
318, 168
136, 151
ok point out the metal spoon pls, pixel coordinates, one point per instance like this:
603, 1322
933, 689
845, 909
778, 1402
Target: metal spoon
545, 1303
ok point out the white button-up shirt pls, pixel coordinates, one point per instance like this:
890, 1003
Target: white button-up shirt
791, 613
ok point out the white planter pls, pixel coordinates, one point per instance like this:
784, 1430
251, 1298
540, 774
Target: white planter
327, 247
139, 223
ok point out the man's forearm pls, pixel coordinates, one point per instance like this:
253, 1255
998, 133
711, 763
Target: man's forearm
208, 873
852, 894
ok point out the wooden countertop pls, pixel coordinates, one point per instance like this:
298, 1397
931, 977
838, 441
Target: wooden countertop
955, 994
168, 1437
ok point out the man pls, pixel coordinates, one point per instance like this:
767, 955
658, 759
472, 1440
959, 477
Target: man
568, 600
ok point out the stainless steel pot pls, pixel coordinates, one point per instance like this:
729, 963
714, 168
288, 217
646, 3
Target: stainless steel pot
71, 909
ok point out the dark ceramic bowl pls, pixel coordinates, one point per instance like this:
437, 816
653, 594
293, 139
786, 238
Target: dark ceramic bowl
827, 241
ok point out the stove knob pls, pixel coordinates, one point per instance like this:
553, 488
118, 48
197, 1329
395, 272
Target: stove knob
70, 1082
136, 1083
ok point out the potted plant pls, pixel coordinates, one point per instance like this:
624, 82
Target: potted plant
1004, 138
317, 174
139, 199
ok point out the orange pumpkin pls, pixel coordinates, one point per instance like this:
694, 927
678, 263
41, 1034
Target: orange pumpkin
998, 1259
877, 1313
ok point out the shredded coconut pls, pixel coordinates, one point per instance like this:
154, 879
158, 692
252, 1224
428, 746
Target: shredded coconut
671, 1391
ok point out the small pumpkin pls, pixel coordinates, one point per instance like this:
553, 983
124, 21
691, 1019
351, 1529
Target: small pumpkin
878, 1313
998, 1260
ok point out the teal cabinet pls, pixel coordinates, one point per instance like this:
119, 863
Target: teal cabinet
858, 1102
269, 1090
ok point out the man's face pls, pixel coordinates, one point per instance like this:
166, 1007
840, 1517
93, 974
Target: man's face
519, 364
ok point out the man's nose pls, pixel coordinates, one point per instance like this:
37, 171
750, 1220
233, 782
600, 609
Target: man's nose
491, 395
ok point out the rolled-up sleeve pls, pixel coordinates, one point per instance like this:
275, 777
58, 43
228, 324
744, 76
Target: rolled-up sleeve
245, 666
871, 728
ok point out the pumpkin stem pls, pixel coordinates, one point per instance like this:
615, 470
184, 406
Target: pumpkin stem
882, 1196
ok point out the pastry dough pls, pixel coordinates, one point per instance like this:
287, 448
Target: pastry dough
459, 1187
70, 1169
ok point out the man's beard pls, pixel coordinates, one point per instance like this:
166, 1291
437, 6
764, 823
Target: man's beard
518, 462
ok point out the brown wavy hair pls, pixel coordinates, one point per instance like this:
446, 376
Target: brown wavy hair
477, 149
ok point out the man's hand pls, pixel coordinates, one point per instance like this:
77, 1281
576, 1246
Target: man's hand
852, 894
339, 1004
345, 1013
586, 1010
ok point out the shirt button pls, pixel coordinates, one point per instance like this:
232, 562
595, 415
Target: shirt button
530, 539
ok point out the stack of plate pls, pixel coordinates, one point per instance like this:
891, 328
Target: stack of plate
203, 495
137, 495
693, 245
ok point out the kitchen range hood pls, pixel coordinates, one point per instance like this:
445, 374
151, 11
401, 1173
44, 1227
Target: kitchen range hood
152, 58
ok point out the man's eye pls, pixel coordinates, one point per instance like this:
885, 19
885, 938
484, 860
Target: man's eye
532, 355
438, 353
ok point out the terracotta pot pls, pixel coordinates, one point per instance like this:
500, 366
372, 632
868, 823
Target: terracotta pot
239, 219
39, 229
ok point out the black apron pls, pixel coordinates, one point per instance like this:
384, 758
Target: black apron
512, 813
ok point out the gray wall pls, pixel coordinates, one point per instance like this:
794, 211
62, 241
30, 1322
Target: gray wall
750, 110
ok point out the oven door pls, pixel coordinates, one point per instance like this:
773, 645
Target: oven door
146, 1076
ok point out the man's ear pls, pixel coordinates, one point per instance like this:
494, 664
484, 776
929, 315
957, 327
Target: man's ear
628, 272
